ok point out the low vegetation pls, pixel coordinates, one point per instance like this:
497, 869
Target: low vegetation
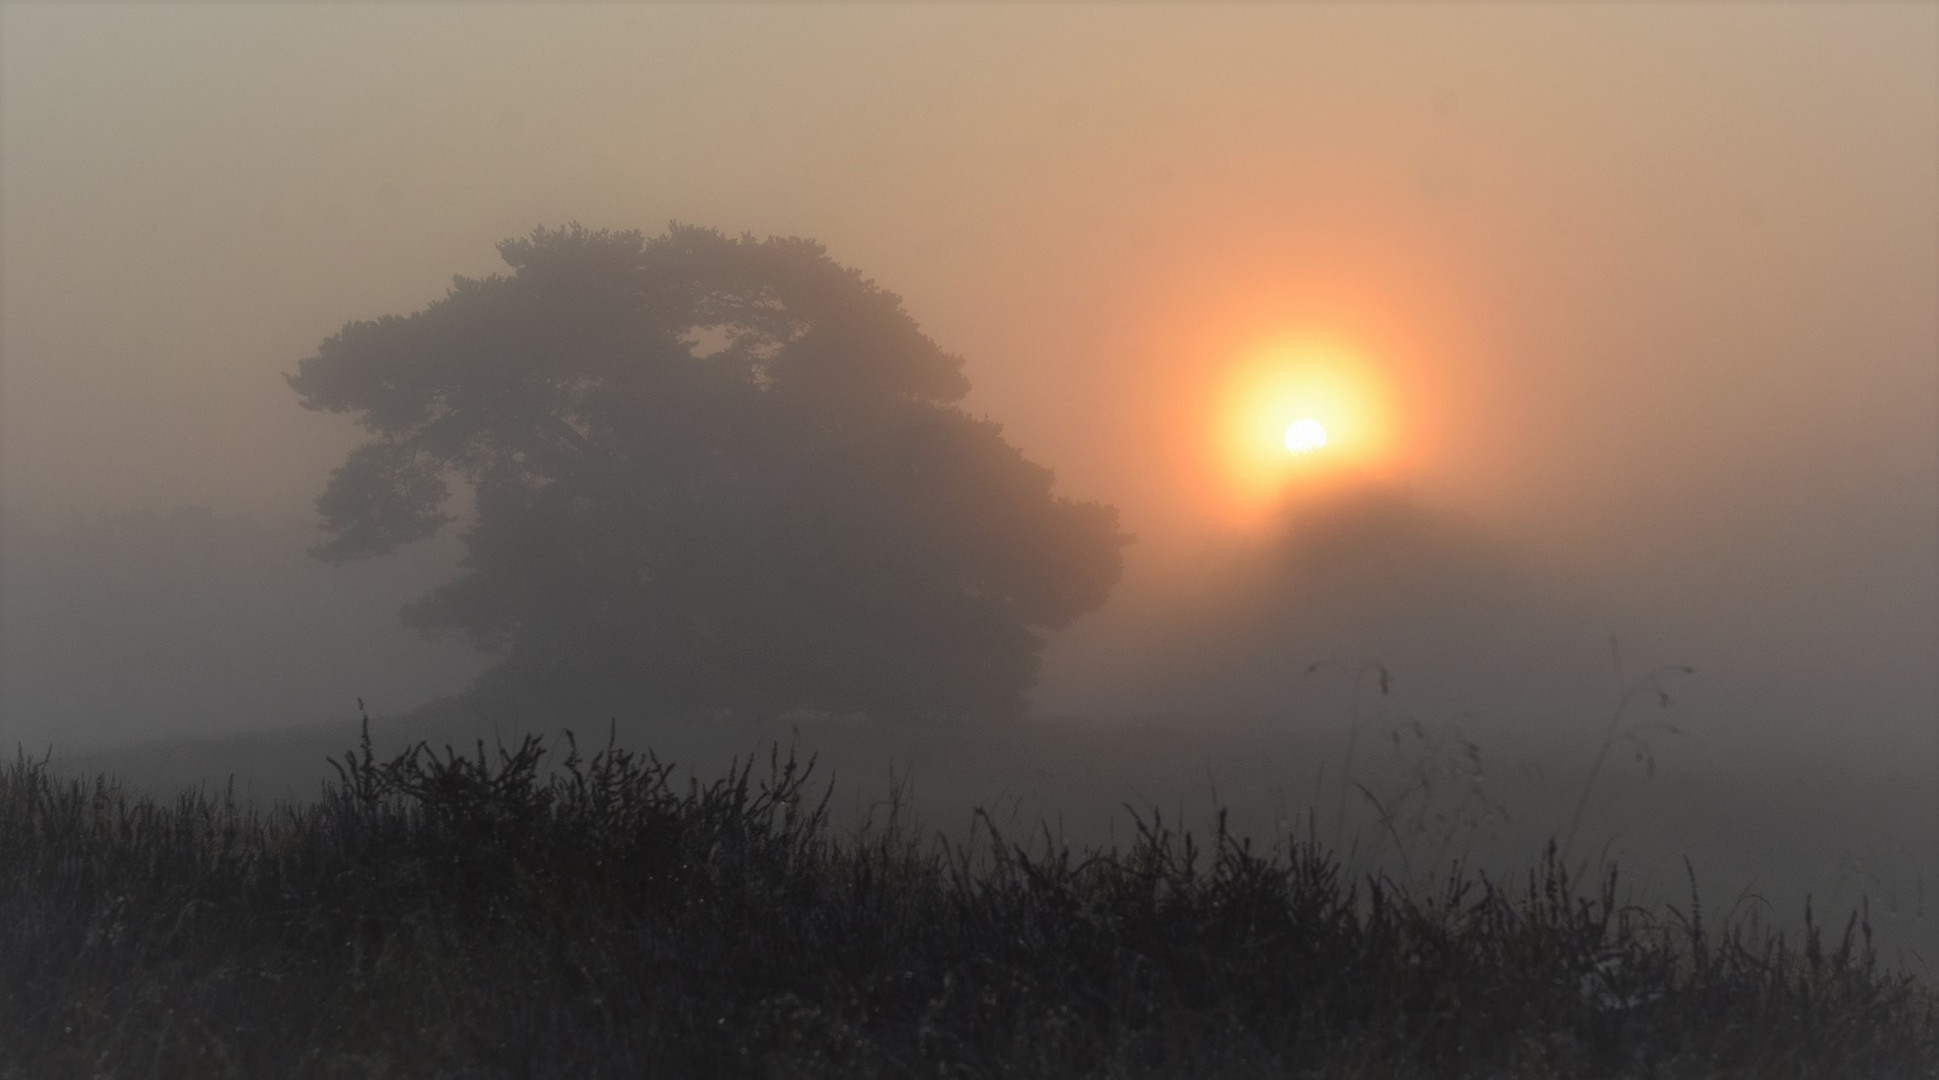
444, 915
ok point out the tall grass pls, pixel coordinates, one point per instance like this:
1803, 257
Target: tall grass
500, 914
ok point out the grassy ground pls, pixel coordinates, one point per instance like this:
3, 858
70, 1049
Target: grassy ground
439, 915
1767, 832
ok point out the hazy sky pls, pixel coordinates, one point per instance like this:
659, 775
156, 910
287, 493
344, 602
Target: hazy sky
1647, 292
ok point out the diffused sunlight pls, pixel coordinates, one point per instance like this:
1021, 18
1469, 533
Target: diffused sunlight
1300, 414
1305, 435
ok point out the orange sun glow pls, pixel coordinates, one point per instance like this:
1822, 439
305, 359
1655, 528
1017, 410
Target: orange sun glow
1300, 413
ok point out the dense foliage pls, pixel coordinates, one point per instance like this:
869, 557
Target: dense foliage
451, 916
715, 473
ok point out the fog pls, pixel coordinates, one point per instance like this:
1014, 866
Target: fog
1651, 298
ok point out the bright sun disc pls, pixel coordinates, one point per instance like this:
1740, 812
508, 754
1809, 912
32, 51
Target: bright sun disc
1305, 436
1297, 415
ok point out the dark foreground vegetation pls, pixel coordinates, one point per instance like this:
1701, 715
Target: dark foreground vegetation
444, 916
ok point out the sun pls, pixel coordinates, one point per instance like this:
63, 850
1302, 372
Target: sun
1305, 435
1297, 413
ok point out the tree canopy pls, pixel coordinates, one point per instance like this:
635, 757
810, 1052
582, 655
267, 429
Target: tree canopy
713, 473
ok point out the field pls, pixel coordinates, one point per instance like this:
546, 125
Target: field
551, 911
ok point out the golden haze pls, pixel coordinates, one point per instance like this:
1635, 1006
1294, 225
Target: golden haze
1371, 347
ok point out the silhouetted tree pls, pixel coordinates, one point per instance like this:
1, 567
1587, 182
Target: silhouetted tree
714, 473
